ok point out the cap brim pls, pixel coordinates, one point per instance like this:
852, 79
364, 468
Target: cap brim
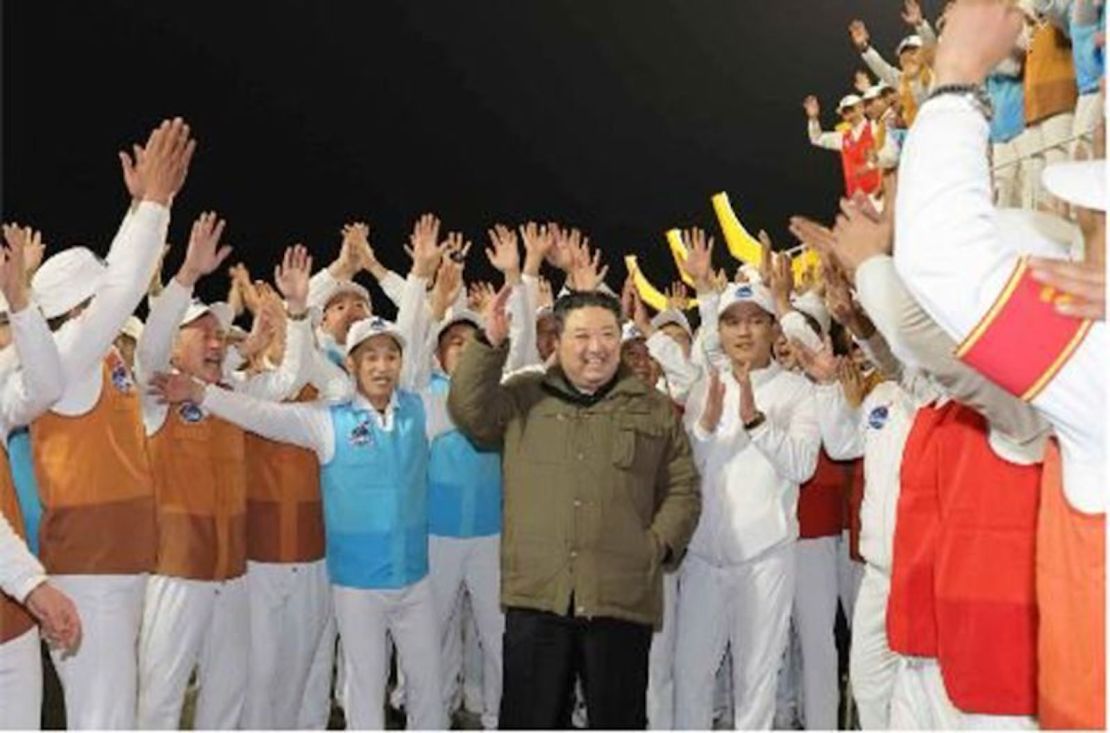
1081, 183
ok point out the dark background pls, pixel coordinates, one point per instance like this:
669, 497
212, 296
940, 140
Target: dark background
619, 116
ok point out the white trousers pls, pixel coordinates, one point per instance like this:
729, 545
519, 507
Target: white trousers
1088, 111
408, 614
871, 663
815, 599
463, 660
99, 680
316, 701
1018, 165
471, 565
21, 682
194, 623
1054, 134
849, 576
660, 689
289, 607
746, 607
920, 702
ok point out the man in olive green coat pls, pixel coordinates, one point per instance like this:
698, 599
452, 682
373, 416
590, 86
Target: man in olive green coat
600, 493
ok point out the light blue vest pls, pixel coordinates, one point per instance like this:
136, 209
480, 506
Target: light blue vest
1007, 95
26, 487
375, 496
1089, 60
464, 483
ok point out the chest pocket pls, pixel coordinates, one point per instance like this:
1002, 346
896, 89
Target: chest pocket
637, 442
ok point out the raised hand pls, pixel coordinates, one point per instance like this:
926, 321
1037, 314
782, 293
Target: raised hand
448, 284
851, 380
857, 31
640, 315
538, 242
13, 268
291, 278
131, 177
57, 615
714, 406
497, 318
861, 81
766, 257
424, 246
678, 297
699, 259
782, 281
978, 34
911, 13
33, 252
812, 107
204, 253
242, 284
164, 164
561, 254
480, 296
587, 273
504, 254
175, 388
859, 237
1082, 286
627, 290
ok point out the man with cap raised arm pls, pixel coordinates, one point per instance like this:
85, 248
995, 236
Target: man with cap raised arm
755, 439
857, 146
97, 535
373, 457
196, 611
1022, 325
913, 78
31, 375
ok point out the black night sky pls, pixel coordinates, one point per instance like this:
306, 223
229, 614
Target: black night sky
619, 116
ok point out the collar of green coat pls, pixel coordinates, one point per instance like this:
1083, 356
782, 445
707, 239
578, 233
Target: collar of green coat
624, 382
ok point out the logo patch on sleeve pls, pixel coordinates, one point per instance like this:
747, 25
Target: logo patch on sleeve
190, 412
121, 378
878, 416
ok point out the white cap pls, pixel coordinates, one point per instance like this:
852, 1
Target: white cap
813, 306
196, 309
874, 92
133, 328
850, 100
336, 288
736, 293
913, 41
368, 328
752, 273
676, 317
66, 280
460, 316
1081, 183
630, 332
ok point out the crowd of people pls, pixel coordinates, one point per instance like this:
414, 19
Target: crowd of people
557, 508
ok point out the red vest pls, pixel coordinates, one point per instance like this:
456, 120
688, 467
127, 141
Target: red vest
821, 500
962, 587
857, 157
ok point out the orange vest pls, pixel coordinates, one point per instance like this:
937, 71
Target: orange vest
821, 500
970, 530
94, 479
285, 519
200, 484
1071, 593
857, 158
14, 619
1050, 87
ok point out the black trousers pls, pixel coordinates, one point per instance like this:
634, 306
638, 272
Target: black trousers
544, 652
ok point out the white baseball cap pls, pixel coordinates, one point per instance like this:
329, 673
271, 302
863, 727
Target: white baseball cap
368, 328
197, 309
913, 41
813, 306
630, 332
670, 315
463, 315
324, 296
737, 293
874, 92
1080, 182
849, 100
133, 328
66, 280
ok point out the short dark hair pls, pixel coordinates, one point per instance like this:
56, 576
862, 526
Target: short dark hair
576, 300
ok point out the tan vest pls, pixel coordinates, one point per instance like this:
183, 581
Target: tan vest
95, 482
1049, 75
200, 485
14, 619
285, 519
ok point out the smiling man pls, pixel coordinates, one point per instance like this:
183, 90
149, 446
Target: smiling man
600, 493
